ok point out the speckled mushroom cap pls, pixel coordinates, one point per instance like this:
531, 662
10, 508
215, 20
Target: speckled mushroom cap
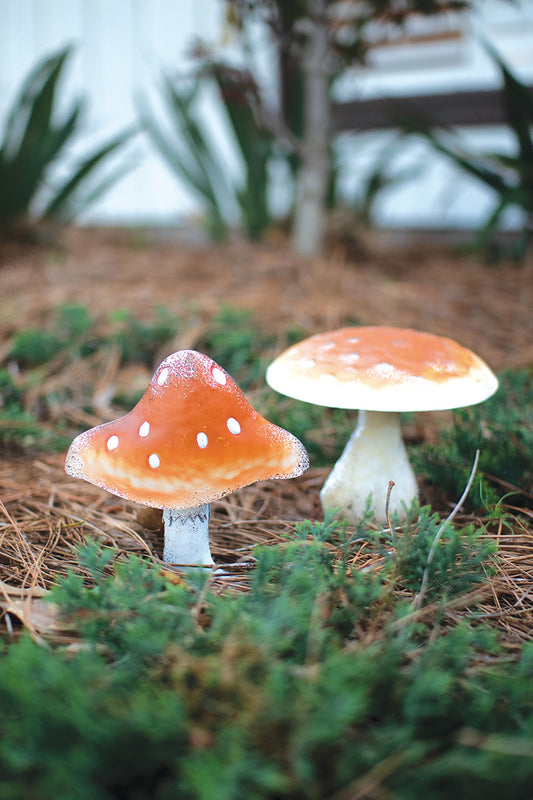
382, 369
192, 438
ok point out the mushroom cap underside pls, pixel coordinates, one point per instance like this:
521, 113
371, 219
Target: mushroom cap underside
382, 369
192, 438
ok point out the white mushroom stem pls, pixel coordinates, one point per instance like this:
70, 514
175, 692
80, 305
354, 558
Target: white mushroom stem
374, 455
187, 536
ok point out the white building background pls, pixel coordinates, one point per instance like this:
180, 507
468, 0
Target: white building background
122, 47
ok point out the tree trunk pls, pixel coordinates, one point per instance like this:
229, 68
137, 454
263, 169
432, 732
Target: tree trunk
309, 213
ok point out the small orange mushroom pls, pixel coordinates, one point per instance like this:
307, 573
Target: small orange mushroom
191, 439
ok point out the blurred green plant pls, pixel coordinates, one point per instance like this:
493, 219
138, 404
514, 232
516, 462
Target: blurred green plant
510, 176
198, 161
33, 355
33, 141
68, 332
238, 345
241, 100
315, 679
501, 428
189, 153
140, 342
382, 176
20, 427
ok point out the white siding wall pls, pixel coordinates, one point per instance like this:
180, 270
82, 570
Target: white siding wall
441, 195
123, 46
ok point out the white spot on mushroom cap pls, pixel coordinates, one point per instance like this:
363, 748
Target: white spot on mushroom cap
219, 375
349, 358
202, 440
384, 370
112, 442
154, 460
144, 430
233, 425
163, 375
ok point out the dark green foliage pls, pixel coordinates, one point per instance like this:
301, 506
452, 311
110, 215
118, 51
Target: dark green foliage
67, 332
510, 177
197, 160
190, 153
33, 141
21, 428
456, 564
502, 429
10, 393
295, 689
37, 352
34, 346
236, 344
141, 342
241, 99
18, 426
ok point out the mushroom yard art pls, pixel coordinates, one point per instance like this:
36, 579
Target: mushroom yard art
380, 371
192, 438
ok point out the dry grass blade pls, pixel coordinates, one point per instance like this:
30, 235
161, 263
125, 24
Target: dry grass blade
442, 528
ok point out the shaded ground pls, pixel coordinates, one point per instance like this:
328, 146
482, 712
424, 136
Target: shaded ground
43, 513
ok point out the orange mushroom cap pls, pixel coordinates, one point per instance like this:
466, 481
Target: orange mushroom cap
192, 438
382, 368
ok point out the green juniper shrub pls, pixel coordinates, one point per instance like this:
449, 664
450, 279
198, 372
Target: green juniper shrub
18, 427
67, 336
74, 323
272, 693
35, 346
10, 393
460, 560
68, 332
234, 342
140, 342
502, 429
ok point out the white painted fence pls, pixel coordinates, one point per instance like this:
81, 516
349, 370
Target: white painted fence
123, 46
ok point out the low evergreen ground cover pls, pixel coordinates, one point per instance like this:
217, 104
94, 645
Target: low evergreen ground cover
324, 679
320, 682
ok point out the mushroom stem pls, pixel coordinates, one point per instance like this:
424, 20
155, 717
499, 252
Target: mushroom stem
374, 455
187, 536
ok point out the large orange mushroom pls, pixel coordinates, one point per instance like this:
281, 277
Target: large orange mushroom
381, 371
191, 439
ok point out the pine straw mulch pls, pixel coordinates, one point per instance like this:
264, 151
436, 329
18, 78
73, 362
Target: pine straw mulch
45, 516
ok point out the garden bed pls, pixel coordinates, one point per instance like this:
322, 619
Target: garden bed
45, 515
